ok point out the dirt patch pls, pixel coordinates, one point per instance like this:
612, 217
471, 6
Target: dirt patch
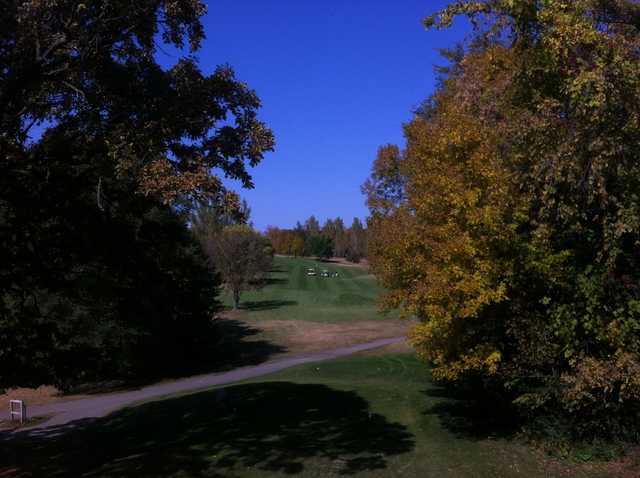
306, 337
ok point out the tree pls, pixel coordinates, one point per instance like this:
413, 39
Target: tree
312, 226
242, 256
210, 216
310, 230
357, 248
80, 55
286, 241
321, 247
98, 270
297, 246
311, 240
385, 189
278, 238
508, 223
341, 239
329, 230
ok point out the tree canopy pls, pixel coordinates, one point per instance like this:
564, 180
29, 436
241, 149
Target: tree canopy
102, 154
509, 223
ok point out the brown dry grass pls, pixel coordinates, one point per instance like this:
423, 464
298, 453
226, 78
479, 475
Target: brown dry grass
306, 337
32, 396
42, 395
399, 348
343, 262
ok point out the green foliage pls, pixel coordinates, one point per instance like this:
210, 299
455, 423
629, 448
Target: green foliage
89, 294
321, 247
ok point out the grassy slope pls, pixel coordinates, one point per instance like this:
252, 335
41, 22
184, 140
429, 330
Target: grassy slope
367, 415
291, 294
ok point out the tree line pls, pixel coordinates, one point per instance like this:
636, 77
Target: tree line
508, 223
310, 239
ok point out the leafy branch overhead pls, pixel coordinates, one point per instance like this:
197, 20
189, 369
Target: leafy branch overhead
93, 65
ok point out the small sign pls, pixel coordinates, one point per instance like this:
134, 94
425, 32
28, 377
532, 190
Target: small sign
17, 410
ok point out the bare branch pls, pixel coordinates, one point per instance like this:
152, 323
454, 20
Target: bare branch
77, 90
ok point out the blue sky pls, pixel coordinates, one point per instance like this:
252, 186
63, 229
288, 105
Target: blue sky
337, 78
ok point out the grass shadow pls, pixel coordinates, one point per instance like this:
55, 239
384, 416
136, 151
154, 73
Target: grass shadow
266, 304
279, 427
275, 281
228, 344
469, 415
235, 346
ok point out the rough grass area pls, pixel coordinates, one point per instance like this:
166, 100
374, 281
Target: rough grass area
11, 425
367, 415
299, 337
290, 294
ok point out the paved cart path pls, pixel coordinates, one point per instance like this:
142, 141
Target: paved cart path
63, 412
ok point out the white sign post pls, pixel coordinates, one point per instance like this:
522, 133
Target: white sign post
17, 408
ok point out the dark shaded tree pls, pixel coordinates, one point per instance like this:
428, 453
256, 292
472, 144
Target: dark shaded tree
242, 256
321, 246
357, 245
98, 270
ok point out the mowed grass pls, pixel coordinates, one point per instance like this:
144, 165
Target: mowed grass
367, 415
291, 294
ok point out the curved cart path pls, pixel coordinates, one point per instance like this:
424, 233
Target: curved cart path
99, 406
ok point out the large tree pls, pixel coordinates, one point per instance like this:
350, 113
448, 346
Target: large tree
102, 151
508, 225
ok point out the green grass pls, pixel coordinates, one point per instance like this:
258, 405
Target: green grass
291, 294
366, 415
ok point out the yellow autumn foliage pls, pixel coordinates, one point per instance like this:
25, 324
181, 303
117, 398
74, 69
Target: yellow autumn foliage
439, 252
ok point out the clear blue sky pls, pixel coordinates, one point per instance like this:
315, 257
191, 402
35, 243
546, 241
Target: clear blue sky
337, 78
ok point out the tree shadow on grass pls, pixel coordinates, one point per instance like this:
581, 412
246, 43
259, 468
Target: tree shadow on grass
275, 281
228, 344
236, 347
266, 304
469, 415
278, 427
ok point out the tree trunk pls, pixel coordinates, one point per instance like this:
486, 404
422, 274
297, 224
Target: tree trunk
236, 299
